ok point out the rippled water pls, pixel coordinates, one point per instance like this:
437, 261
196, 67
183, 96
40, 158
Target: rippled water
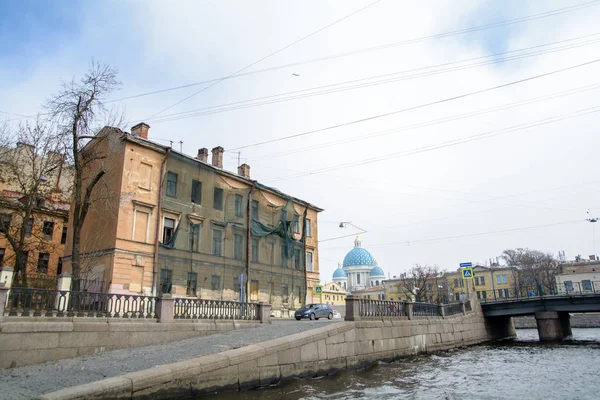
519, 369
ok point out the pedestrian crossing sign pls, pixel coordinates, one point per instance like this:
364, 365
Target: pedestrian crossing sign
318, 289
467, 273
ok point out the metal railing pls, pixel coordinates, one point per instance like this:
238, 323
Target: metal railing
426, 310
381, 308
452, 309
214, 309
530, 291
58, 303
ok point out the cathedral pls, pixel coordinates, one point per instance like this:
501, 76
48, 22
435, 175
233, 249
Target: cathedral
359, 271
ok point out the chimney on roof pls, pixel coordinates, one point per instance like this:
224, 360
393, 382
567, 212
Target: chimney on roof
202, 155
141, 130
217, 157
244, 171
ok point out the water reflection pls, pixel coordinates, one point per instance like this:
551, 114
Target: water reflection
522, 368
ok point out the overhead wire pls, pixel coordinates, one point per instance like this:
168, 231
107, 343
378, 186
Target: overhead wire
265, 57
402, 110
450, 143
376, 80
532, 17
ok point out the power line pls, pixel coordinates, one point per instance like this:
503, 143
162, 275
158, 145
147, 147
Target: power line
265, 57
451, 118
388, 78
438, 239
448, 99
450, 143
545, 14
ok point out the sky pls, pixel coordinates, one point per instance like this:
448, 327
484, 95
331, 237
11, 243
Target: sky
432, 177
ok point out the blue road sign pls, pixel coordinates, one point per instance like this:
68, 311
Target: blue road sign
466, 264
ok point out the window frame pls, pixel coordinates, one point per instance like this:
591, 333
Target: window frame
238, 248
222, 235
48, 229
239, 209
308, 227
194, 233
196, 192
309, 265
193, 289
221, 204
296, 223
165, 227
215, 282
255, 255
254, 209
170, 185
43, 258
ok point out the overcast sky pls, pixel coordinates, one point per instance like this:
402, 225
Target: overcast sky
441, 197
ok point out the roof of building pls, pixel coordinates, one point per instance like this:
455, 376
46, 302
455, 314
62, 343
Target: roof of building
358, 256
339, 273
377, 272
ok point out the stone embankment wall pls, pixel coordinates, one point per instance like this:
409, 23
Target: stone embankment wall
591, 320
335, 347
26, 341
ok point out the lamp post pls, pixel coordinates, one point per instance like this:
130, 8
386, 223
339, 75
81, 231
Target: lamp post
344, 225
593, 220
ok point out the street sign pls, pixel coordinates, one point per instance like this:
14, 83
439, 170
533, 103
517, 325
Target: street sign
318, 289
466, 264
467, 273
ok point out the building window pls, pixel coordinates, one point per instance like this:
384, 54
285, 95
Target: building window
296, 223
482, 280
192, 283
215, 282
285, 297
254, 208
308, 228
238, 205
141, 221
42, 265
484, 295
586, 284
500, 279
297, 259
218, 199
63, 237
196, 192
194, 237
48, 229
569, 286
2, 251
5, 222
309, 261
145, 176
237, 288
59, 266
238, 246
168, 229
284, 255
217, 242
28, 227
171, 184
165, 280
476, 279
255, 250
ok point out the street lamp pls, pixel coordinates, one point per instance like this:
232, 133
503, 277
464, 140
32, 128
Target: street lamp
342, 225
593, 220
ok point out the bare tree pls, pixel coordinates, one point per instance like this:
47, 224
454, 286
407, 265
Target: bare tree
536, 269
420, 281
80, 113
30, 165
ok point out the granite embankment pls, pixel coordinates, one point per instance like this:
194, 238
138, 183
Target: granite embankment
590, 320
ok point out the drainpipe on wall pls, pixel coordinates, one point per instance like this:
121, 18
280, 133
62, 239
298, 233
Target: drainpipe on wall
158, 213
305, 272
248, 240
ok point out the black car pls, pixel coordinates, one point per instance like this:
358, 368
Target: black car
314, 311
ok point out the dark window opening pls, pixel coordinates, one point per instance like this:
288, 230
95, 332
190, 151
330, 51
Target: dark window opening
168, 229
171, 184
42, 266
218, 199
48, 229
196, 192
238, 205
192, 283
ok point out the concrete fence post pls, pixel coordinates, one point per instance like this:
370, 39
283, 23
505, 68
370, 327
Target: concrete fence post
264, 312
64, 285
409, 309
3, 300
352, 308
442, 310
165, 312
463, 308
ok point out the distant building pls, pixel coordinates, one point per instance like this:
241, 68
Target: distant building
333, 294
579, 277
359, 271
169, 222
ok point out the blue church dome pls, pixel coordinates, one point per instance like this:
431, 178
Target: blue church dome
358, 256
339, 273
377, 271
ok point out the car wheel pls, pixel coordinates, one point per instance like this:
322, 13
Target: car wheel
298, 318
330, 316
312, 316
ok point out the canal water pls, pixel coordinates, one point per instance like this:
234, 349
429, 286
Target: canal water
516, 369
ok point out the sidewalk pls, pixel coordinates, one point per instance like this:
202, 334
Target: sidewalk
33, 380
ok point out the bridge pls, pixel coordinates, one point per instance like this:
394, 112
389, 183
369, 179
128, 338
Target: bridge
551, 312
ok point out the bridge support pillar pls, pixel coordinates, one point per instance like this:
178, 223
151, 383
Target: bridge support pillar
552, 325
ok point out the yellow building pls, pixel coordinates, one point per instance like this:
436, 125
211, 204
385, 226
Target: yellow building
487, 283
399, 289
333, 294
168, 222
